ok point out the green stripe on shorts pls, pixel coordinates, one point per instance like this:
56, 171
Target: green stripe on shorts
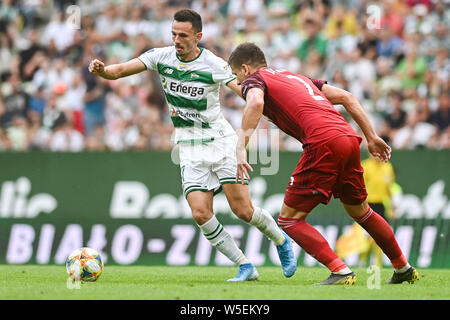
193, 188
231, 180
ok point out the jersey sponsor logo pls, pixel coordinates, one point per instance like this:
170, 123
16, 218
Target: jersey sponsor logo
190, 90
185, 114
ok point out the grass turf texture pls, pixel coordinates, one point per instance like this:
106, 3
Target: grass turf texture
209, 283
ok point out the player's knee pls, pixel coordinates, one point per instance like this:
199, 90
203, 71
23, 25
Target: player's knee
201, 215
356, 211
291, 213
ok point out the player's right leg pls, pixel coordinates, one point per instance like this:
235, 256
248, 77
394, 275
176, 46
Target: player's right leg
199, 184
201, 203
311, 240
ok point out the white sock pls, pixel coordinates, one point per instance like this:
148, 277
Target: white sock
262, 220
344, 271
403, 269
222, 241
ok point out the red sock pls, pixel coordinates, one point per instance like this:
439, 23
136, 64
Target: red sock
383, 235
312, 242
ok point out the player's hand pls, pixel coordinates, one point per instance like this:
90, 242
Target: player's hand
379, 149
242, 165
97, 67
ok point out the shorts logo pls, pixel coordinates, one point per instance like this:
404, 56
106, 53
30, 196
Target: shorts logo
291, 181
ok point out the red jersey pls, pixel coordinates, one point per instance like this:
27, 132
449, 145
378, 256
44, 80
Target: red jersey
297, 106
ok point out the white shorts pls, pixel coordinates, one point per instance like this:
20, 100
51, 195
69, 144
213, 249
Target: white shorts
207, 166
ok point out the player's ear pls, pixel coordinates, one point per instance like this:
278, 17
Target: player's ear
199, 36
246, 69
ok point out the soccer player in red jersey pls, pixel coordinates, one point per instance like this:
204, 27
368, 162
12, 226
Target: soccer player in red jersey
330, 164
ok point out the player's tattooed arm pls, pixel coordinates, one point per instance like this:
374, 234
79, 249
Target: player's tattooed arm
377, 147
116, 71
252, 114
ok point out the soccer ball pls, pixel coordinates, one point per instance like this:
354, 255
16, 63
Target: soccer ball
84, 264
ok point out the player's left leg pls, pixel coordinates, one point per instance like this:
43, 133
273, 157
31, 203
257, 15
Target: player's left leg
352, 192
382, 233
238, 197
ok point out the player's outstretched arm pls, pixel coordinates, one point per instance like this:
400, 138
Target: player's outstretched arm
116, 71
376, 146
252, 114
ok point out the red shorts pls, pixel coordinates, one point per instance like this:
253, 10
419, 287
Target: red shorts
333, 168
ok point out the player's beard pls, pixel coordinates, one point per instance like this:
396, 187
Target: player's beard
184, 51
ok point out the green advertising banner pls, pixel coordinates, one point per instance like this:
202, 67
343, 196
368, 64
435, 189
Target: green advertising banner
130, 207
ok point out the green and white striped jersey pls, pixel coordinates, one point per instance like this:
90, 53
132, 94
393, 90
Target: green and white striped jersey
192, 92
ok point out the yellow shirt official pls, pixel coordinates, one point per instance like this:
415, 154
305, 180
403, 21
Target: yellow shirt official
379, 177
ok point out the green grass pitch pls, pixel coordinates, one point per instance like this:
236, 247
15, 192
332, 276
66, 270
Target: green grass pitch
209, 283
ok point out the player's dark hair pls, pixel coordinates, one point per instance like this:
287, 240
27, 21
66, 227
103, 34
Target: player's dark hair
189, 15
247, 53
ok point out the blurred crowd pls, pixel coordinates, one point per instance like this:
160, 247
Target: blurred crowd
393, 55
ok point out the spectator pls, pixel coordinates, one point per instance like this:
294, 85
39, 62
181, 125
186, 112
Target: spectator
6, 56
313, 68
74, 101
438, 40
96, 142
31, 57
411, 69
314, 38
440, 66
109, 22
341, 22
415, 134
66, 138
360, 74
441, 117
52, 118
393, 17
58, 32
397, 118
17, 133
94, 103
16, 103
390, 45
38, 100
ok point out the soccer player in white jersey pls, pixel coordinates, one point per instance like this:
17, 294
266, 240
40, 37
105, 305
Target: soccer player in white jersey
191, 79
